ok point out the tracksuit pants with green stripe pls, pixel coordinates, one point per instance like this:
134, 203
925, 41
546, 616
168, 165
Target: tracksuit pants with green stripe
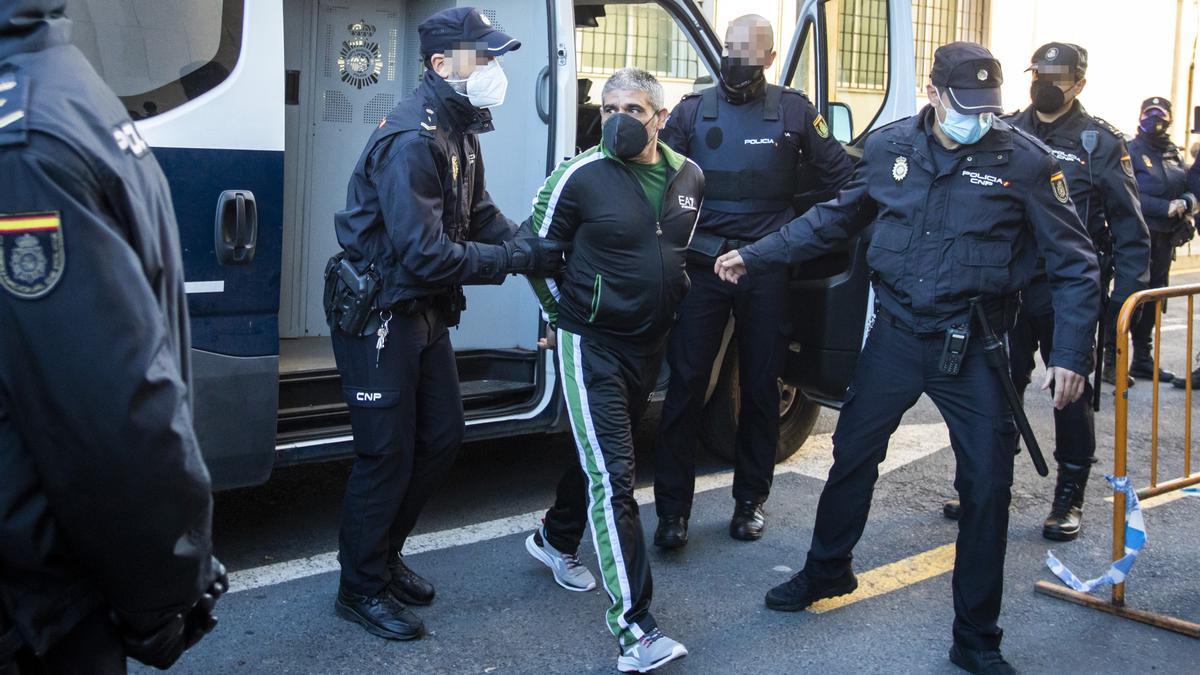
606, 389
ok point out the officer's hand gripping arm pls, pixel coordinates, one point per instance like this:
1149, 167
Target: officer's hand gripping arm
104, 412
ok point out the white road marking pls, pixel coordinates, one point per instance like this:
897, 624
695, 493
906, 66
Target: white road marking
910, 443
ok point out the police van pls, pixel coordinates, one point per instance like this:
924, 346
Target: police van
258, 109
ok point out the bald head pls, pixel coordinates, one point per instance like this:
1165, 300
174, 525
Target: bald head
750, 41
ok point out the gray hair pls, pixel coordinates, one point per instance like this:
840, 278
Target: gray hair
636, 79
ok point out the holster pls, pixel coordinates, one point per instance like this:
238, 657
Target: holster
350, 297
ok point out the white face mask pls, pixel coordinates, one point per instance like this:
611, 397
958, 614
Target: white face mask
485, 87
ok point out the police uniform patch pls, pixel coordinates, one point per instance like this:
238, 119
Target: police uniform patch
454, 166
900, 169
821, 127
1127, 166
1147, 161
1059, 183
32, 256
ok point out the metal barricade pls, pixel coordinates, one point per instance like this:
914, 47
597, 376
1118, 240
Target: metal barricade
1116, 604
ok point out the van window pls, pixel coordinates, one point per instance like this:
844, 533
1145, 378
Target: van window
642, 35
158, 54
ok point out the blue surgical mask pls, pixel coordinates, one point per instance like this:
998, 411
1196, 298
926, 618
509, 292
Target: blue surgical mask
964, 129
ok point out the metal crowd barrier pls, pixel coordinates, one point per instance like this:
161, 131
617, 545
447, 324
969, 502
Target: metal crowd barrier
1116, 604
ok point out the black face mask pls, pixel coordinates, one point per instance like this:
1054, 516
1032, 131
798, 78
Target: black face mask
1047, 97
740, 81
624, 136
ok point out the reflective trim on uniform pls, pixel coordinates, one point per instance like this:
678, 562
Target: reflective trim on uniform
605, 537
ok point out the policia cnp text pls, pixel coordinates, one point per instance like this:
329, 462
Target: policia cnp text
418, 224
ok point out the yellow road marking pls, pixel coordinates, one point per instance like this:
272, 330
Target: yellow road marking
893, 577
915, 569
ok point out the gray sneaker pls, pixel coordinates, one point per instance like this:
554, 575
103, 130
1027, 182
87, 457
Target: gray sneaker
651, 651
568, 571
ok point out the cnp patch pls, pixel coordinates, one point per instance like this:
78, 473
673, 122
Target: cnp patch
821, 127
1127, 166
32, 256
1059, 183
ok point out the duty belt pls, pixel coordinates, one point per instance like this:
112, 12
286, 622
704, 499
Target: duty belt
1001, 313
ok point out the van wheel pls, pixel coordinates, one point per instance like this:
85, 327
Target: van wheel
797, 415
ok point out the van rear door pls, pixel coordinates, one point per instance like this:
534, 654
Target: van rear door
860, 78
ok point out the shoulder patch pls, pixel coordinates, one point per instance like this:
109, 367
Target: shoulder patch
32, 253
1058, 183
1127, 165
1102, 124
820, 125
14, 101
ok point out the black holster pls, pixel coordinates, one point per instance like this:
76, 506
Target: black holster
350, 297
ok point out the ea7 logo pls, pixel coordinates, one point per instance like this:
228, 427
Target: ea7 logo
129, 140
687, 203
986, 180
368, 397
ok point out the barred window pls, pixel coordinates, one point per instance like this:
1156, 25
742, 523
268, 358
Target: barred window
862, 37
937, 22
643, 36
862, 45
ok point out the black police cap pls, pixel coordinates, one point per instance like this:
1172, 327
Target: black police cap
463, 27
1060, 55
971, 75
1157, 102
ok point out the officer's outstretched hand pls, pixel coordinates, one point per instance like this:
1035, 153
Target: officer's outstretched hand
1067, 385
730, 267
536, 256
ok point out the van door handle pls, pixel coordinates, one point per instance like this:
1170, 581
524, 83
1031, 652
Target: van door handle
235, 231
543, 93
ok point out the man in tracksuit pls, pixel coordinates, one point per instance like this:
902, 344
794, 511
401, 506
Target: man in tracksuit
628, 208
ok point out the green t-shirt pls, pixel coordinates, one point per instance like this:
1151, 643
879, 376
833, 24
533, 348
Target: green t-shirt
653, 178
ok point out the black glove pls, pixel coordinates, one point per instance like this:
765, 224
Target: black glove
1185, 231
535, 256
162, 646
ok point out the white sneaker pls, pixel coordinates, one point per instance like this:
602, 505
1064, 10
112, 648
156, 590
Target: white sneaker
568, 571
651, 651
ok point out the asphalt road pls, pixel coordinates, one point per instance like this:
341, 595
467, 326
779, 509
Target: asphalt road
499, 611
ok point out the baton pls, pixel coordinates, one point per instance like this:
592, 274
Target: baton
997, 359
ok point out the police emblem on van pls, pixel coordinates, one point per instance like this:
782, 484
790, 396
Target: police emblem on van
32, 256
359, 62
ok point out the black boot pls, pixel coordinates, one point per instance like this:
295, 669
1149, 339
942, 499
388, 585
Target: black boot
1109, 373
1066, 514
407, 585
1182, 382
671, 532
1142, 366
952, 509
748, 520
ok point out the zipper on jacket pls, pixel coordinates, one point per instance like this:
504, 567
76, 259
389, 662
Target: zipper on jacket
597, 289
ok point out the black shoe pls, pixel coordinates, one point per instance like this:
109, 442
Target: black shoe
1182, 382
671, 532
380, 614
799, 592
985, 661
1143, 369
748, 521
952, 509
1109, 375
1066, 513
407, 585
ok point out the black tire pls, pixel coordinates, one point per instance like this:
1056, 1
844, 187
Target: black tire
719, 422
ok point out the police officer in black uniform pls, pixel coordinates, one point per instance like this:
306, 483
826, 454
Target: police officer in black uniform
418, 224
105, 502
961, 204
763, 149
1169, 207
1100, 178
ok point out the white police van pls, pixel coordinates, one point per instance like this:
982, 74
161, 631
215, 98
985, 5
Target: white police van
258, 109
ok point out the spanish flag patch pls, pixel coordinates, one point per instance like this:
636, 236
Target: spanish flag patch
32, 254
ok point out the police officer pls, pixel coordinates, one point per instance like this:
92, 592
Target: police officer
1100, 179
961, 204
1168, 205
418, 223
763, 148
105, 502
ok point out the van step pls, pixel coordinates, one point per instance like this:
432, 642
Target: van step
477, 393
